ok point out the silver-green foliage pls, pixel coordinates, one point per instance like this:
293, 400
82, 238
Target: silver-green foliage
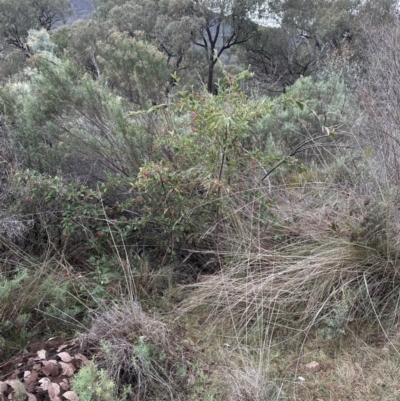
9, 285
57, 116
18, 17
326, 103
92, 384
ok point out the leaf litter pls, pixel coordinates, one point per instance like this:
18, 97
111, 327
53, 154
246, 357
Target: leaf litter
44, 373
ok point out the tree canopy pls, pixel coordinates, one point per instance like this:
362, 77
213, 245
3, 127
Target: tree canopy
185, 29
18, 17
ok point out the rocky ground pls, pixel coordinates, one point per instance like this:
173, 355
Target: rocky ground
42, 371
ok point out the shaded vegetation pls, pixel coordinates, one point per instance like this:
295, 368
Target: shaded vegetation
198, 227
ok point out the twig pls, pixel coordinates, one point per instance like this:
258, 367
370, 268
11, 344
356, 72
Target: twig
299, 148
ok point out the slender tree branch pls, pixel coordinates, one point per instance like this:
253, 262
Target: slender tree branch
299, 148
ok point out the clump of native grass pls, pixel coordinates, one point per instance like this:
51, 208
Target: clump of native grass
318, 258
308, 260
38, 296
138, 350
247, 376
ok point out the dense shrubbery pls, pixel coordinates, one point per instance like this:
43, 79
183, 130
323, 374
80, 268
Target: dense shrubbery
326, 104
168, 197
123, 180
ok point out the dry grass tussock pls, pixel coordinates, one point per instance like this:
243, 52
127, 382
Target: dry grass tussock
138, 350
326, 257
353, 366
34, 297
248, 378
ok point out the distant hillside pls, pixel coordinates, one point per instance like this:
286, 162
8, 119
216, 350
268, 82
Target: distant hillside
82, 9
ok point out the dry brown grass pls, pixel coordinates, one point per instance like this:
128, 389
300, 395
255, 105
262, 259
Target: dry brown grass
351, 369
29, 290
139, 350
326, 252
354, 366
297, 273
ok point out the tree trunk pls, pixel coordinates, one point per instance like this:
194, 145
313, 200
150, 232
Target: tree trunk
210, 86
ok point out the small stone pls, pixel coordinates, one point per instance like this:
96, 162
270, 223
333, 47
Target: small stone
301, 379
313, 366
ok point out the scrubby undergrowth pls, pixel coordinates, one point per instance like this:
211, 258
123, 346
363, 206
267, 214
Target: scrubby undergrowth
208, 247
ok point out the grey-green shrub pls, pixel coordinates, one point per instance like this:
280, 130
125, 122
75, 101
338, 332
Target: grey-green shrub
326, 103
